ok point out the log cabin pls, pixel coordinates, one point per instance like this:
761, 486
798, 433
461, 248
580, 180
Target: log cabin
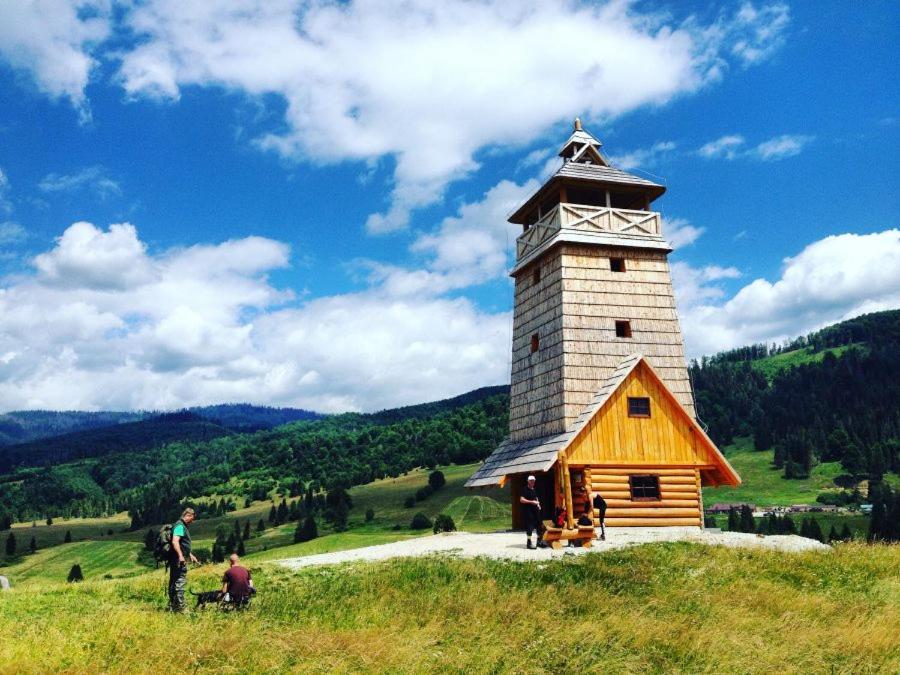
600, 397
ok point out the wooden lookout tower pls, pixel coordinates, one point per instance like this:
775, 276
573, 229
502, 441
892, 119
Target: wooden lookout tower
600, 401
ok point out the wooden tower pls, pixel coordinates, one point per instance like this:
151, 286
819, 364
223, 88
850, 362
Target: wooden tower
594, 307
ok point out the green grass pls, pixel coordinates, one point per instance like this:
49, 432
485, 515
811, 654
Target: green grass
338, 541
772, 365
656, 608
97, 558
764, 485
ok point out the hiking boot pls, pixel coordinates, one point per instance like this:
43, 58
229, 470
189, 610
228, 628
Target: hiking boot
529, 545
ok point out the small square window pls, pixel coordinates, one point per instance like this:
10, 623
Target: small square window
644, 488
617, 264
536, 276
623, 329
535, 343
638, 406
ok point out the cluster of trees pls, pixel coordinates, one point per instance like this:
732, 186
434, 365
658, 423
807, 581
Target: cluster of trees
742, 521
842, 408
884, 524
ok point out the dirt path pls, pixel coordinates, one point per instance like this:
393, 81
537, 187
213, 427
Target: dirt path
511, 545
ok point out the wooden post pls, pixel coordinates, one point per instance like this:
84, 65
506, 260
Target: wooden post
608, 200
700, 499
565, 470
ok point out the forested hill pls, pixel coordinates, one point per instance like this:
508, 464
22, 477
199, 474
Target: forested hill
120, 438
833, 395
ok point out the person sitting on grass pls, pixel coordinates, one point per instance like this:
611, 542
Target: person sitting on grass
237, 583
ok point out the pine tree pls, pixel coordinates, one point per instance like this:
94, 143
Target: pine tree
231, 544
370, 515
49, 520
339, 517
218, 555
33, 545
307, 531
747, 523
68, 538
248, 503
246, 530
846, 534
240, 547
282, 513
733, 520
261, 526
833, 535
787, 525
5, 521
150, 539
11, 545
804, 528
815, 530
75, 574
273, 514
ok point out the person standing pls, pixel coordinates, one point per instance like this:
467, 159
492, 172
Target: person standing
531, 511
181, 553
600, 508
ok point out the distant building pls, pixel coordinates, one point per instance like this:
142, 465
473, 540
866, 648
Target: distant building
725, 508
600, 398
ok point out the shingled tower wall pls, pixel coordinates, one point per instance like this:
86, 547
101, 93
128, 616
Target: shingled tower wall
569, 296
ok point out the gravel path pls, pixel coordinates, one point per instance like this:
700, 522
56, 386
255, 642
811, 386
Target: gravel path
511, 545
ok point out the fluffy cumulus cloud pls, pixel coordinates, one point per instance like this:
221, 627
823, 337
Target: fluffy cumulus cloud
53, 41
680, 233
837, 277
423, 85
104, 323
644, 157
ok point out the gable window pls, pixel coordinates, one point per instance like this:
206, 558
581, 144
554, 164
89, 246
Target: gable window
535, 343
638, 406
623, 329
536, 276
617, 264
644, 488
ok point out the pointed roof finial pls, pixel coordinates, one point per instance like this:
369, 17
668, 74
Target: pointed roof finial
577, 124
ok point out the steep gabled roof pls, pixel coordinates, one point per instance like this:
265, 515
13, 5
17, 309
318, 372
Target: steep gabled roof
541, 453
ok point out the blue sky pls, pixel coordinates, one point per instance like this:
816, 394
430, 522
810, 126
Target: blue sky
303, 204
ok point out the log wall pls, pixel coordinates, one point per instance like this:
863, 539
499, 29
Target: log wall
679, 502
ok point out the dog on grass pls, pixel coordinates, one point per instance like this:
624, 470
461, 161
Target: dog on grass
207, 597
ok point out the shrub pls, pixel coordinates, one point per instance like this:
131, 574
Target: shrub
307, 530
370, 515
420, 522
436, 480
204, 555
444, 523
75, 574
409, 502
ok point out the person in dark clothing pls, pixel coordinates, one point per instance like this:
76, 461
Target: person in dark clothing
180, 554
600, 506
586, 519
531, 511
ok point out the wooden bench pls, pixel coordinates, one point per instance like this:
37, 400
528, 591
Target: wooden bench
555, 536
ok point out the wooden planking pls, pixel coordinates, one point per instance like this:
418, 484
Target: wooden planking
651, 522
664, 503
608, 472
662, 512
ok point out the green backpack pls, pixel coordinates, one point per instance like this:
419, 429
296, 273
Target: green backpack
162, 550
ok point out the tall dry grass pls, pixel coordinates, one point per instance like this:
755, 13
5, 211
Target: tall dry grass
657, 608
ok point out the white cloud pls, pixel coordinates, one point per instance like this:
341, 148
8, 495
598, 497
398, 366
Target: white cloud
759, 32
53, 40
679, 232
5, 204
94, 178
644, 157
727, 147
104, 323
831, 279
428, 83
12, 233
734, 146
780, 147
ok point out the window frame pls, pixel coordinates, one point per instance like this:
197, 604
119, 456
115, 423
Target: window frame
643, 498
646, 415
617, 262
535, 343
625, 325
536, 275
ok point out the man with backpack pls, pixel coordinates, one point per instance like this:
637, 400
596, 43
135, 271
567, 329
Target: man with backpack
179, 554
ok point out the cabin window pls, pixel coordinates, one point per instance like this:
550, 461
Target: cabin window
623, 329
638, 406
536, 276
535, 343
644, 488
617, 264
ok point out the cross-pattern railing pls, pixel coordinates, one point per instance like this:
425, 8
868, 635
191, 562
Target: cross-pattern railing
586, 219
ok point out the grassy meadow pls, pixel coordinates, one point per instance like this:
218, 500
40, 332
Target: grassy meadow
655, 608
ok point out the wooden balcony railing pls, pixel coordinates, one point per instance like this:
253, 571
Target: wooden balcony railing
582, 218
